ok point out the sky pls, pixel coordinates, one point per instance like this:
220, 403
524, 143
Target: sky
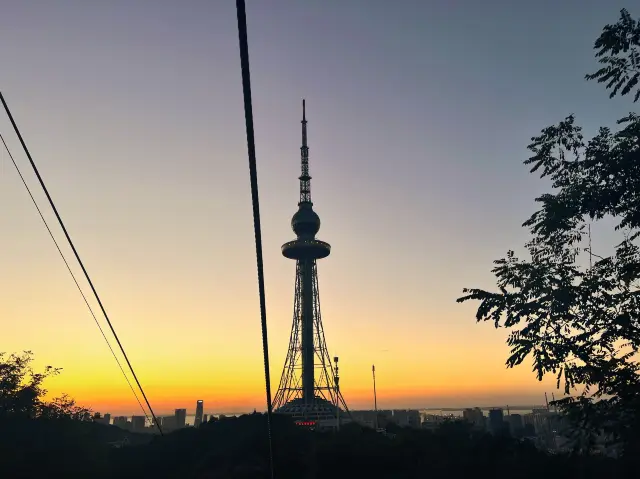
419, 117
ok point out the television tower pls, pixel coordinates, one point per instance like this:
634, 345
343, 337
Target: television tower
307, 389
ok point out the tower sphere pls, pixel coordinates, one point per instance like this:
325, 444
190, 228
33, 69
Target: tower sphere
305, 221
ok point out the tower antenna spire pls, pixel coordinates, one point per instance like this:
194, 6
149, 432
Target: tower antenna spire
305, 179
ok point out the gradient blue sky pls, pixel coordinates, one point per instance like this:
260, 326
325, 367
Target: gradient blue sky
419, 116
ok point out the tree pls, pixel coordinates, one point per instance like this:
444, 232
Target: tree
22, 394
618, 50
21, 389
582, 324
65, 407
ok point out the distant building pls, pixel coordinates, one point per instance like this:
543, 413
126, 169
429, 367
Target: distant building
474, 416
432, 421
545, 424
138, 423
385, 416
364, 418
496, 421
540, 420
205, 418
516, 425
181, 418
199, 413
368, 418
122, 422
406, 417
106, 419
168, 423
529, 428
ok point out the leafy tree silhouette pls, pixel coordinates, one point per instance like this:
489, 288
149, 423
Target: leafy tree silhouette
40, 438
619, 52
22, 394
582, 324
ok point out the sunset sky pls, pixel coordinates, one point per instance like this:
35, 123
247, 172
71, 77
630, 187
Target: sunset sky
419, 116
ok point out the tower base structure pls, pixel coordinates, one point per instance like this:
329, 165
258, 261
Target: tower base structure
319, 414
309, 386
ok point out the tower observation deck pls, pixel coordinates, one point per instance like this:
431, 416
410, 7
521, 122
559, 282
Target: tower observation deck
308, 386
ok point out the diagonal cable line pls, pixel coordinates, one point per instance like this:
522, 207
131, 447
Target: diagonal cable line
253, 174
6, 147
77, 255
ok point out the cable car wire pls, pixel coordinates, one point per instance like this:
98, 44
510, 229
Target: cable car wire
77, 255
73, 276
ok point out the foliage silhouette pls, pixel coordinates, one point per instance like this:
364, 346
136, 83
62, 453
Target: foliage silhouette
582, 324
619, 51
44, 447
39, 437
22, 394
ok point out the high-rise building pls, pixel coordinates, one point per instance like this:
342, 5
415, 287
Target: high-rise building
496, 421
122, 422
364, 418
406, 417
516, 425
106, 419
475, 416
205, 418
181, 418
308, 385
545, 423
169, 423
431, 422
199, 413
138, 423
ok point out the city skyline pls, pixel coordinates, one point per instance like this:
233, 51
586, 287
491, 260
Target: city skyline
140, 137
191, 414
